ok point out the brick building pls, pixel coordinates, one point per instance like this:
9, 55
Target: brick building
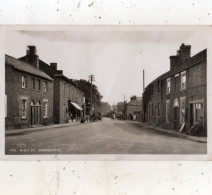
68, 99
178, 98
29, 93
134, 108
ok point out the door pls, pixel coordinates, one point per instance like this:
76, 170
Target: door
176, 117
191, 115
38, 113
32, 113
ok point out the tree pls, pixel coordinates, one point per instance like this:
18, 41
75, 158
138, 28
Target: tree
85, 86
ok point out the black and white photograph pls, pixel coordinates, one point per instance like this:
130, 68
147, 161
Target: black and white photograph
106, 90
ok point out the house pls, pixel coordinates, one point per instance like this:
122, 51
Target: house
134, 108
121, 110
29, 94
68, 100
178, 98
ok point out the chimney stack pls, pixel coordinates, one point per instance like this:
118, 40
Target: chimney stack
32, 57
183, 54
53, 65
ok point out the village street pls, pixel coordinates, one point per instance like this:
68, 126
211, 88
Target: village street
106, 137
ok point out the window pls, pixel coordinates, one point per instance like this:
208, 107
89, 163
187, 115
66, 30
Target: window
158, 87
33, 83
158, 109
38, 84
168, 85
167, 110
64, 89
24, 82
64, 111
198, 112
183, 80
45, 86
45, 109
68, 90
182, 109
152, 110
177, 82
23, 109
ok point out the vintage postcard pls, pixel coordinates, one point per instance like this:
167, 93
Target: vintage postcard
106, 92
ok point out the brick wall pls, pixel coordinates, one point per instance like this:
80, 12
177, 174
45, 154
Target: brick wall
15, 92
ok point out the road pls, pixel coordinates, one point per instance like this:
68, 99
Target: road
106, 137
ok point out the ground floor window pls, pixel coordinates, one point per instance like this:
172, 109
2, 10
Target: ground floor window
23, 108
167, 110
158, 109
45, 109
182, 109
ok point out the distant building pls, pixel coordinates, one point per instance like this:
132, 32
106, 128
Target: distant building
134, 108
104, 108
68, 100
121, 110
179, 97
29, 93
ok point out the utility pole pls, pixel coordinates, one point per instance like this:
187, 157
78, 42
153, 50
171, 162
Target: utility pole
91, 78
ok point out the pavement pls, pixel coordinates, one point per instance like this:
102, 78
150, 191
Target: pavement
38, 128
172, 132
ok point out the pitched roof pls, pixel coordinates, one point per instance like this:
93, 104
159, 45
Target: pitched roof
25, 67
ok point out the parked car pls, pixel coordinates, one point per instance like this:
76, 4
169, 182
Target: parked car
96, 117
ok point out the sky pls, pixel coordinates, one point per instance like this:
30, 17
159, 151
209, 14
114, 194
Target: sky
116, 56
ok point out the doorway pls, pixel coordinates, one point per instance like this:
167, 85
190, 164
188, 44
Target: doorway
38, 112
32, 113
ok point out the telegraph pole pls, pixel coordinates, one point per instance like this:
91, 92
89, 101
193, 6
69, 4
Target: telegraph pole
91, 78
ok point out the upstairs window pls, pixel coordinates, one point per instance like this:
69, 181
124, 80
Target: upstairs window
69, 90
177, 82
33, 83
183, 80
45, 86
168, 84
24, 82
38, 84
158, 86
64, 89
